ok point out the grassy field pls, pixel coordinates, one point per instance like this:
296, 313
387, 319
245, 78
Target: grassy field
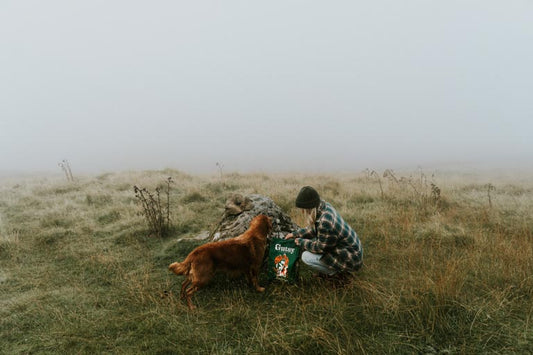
448, 268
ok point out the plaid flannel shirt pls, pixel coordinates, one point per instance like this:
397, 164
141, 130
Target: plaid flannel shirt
332, 237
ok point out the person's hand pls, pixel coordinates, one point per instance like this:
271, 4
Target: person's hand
289, 236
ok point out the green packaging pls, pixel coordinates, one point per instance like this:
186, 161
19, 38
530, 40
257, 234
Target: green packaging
283, 257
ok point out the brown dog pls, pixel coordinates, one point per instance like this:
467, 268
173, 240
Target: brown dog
236, 256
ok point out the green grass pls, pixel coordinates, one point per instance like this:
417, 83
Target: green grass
80, 274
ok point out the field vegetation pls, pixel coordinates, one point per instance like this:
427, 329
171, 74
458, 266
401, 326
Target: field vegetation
448, 267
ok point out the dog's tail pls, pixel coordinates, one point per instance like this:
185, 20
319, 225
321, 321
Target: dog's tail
182, 268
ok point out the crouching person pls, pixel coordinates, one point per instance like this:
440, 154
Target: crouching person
330, 246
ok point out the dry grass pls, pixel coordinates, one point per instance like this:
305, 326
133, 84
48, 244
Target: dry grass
443, 274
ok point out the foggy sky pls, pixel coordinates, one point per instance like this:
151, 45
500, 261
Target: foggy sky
264, 85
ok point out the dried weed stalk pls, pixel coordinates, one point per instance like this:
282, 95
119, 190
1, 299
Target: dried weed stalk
426, 193
65, 166
490, 188
157, 215
220, 166
373, 173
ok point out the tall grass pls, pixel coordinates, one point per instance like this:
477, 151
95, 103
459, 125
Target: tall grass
442, 275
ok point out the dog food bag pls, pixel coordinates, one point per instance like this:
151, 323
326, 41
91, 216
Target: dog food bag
283, 260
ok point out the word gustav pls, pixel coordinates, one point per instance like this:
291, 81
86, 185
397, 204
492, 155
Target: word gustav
278, 247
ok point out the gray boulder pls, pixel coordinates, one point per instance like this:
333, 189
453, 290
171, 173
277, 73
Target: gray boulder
239, 211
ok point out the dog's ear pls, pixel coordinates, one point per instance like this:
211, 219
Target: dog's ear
270, 223
267, 219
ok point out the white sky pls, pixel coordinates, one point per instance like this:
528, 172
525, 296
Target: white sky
264, 85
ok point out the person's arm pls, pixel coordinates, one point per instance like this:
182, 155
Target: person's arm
326, 238
318, 245
305, 233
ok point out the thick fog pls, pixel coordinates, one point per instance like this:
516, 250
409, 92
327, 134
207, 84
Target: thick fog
264, 85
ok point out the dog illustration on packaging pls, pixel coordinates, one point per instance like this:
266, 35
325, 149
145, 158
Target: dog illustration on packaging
281, 263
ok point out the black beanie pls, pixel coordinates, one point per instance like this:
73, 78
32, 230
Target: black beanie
307, 198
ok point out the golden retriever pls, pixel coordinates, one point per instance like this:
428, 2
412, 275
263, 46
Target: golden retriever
236, 256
